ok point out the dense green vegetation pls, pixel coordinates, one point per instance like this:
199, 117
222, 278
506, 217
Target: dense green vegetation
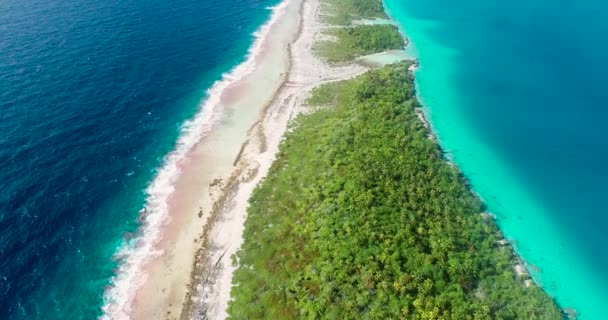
360, 217
354, 41
357, 41
344, 11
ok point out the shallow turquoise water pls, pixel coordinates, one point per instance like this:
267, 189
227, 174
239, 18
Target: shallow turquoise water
514, 91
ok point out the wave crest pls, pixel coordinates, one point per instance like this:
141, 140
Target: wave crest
134, 254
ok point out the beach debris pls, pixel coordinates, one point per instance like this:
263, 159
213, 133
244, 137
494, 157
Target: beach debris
570, 313
520, 270
414, 66
503, 242
216, 182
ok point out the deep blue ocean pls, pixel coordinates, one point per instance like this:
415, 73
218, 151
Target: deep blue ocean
92, 96
516, 91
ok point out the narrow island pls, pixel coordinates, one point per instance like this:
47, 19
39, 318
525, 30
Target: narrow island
353, 213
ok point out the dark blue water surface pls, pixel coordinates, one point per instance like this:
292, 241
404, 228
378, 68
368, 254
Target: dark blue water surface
92, 96
516, 91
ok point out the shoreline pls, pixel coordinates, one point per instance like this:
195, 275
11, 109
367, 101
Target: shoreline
521, 267
153, 274
195, 209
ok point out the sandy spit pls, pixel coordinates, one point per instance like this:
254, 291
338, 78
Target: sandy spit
181, 267
211, 274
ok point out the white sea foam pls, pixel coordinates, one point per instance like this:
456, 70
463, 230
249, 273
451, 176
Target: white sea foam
135, 253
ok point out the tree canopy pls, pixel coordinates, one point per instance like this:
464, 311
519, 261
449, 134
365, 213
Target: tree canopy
352, 42
360, 217
344, 11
